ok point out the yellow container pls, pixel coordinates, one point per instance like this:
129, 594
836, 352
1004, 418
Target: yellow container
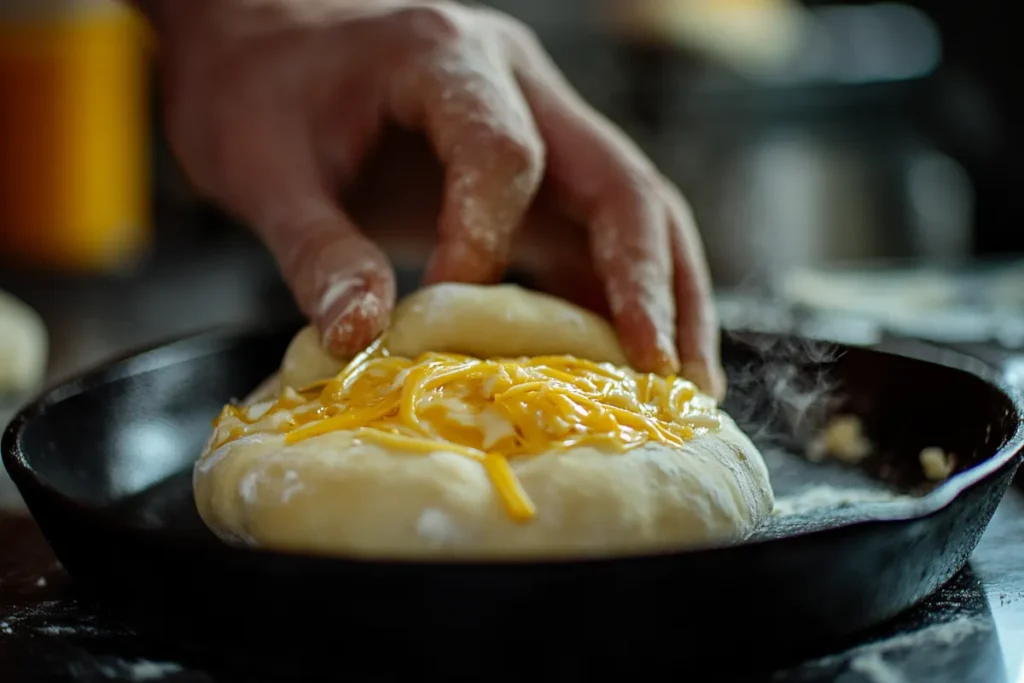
74, 125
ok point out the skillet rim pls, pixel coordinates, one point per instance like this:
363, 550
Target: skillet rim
196, 344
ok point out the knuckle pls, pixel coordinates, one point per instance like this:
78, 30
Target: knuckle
632, 227
642, 261
519, 31
640, 182
435, 25
634, 190
523, 154
515, 31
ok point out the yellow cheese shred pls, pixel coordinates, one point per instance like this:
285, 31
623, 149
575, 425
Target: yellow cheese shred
454, 403
517, 502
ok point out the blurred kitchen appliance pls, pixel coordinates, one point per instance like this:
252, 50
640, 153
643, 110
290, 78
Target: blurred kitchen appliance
980, 301
854, 150
756, 37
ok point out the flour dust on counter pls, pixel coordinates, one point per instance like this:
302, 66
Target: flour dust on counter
813, 495
824, 497
889, 660
949, 637
90, 646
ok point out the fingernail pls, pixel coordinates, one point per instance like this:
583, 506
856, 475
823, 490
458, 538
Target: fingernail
355, 320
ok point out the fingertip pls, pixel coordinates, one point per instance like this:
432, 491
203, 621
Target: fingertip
352, 322
699, 343
354, 307
659, 362
707, 375
455, 261
649, 348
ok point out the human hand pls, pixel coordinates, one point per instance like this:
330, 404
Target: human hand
272, 106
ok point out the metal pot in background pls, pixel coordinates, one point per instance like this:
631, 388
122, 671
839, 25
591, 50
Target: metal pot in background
848, 153
782, 196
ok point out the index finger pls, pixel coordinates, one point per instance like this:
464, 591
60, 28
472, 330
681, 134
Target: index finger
341, 281
697, 329
467, 100
602, 178
630, 246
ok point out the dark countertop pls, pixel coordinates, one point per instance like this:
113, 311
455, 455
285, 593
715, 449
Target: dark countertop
971, 630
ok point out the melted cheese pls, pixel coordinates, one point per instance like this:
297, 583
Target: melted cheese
488, 410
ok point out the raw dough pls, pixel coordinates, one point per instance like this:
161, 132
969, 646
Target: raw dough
24, 346
333, 496
498, 321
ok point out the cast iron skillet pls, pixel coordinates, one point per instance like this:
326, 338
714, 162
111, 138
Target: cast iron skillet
103, 464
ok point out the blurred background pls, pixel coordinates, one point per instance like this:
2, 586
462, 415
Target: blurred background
874, 141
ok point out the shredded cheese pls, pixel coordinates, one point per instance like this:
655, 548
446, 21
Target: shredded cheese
488, 410
936, 463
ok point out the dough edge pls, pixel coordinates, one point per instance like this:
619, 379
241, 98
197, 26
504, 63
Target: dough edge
328, 496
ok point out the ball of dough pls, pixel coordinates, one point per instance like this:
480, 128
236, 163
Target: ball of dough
306, 361
488, 321
24, 346
333, 494
499, 321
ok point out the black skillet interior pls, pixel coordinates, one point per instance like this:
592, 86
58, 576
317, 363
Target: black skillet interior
103, 464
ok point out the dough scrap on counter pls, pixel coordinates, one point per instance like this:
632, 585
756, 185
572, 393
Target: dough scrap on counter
24, 346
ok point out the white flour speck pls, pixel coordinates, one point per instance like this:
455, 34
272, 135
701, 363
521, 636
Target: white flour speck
247, 486
5, 628
41, 582
441, 302
145, 671
436, 525
61, 630
367, 307
875, 669
292, 485
831, 497
141, 670
945, 635
335, 291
